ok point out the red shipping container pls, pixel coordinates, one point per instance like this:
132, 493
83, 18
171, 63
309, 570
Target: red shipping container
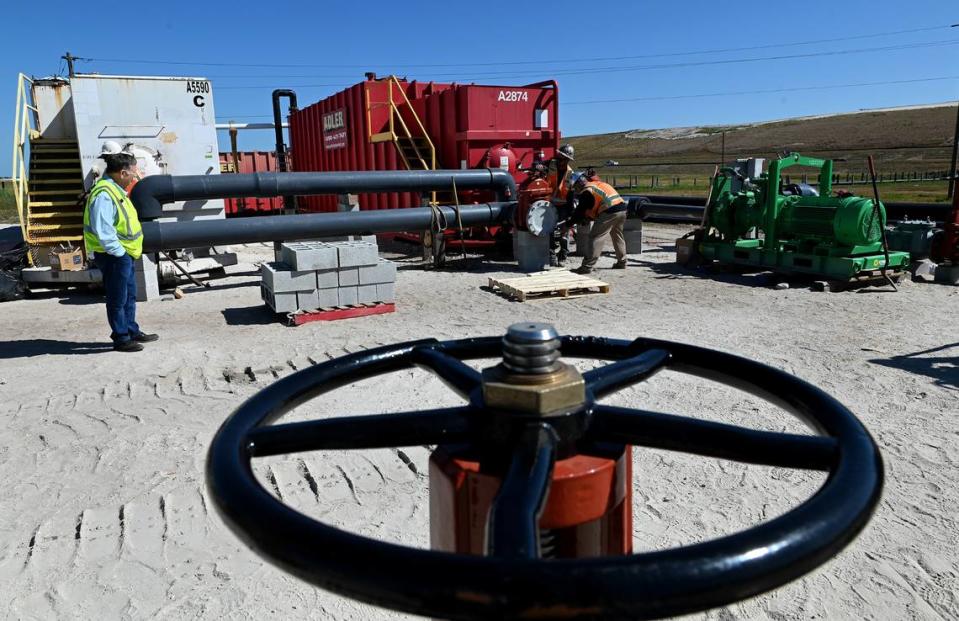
355, 129
250, 162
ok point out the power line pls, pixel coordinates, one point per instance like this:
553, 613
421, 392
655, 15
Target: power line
758, 92
662, 66
632, 68
843, 37
693, 95
732, 61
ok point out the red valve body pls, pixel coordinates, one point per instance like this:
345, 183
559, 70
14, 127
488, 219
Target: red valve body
588, 510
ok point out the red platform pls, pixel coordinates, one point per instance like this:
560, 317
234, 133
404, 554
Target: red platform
332, 314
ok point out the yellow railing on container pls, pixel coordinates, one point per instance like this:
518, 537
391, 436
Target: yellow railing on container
430, 163
23, 130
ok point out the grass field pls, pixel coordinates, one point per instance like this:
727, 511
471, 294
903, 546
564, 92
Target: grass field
901, 141
8, 204
912, 192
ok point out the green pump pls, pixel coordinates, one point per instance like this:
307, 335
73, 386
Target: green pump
753, 218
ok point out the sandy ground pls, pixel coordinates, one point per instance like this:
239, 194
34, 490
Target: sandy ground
104, 511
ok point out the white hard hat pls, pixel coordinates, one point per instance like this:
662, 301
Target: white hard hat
112, 147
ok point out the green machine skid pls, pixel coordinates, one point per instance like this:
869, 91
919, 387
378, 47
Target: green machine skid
757, 221
750, 252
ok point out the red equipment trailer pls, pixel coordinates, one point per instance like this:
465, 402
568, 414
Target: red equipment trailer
250, 162
396, 124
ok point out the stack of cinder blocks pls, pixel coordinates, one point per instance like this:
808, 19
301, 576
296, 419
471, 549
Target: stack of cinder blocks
316, 275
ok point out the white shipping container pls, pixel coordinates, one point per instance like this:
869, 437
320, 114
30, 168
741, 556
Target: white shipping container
169, 124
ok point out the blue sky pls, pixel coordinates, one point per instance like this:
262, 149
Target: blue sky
318, 48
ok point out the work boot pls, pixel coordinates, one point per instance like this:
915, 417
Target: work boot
582, 269
127, 346
619, 265
143, 337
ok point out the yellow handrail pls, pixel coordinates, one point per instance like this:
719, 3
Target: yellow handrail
23, 128
395, 110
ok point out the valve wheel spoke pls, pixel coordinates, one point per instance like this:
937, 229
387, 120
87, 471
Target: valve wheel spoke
618, 375
513, 526
462, 378
712, 439
418, 428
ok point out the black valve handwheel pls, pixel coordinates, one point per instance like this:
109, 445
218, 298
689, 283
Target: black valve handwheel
512, 582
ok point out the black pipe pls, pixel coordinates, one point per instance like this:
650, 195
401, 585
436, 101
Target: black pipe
641, 207
288, 203
162, 235
151, 193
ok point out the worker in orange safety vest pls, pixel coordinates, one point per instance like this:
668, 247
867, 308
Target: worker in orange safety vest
600, 203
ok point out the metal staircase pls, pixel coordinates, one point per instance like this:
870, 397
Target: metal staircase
417, 152
414, 146
55, 193
47, 182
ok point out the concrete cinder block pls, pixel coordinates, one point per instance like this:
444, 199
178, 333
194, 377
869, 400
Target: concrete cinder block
279, 302
347, 202
327, 298
309, 256
382, 272
347, 296
281, 278
145, 273
366, 294
349, 277
355, 254
307, 300
386, 292
327, 279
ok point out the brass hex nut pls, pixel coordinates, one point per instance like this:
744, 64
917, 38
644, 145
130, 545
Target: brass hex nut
565, 389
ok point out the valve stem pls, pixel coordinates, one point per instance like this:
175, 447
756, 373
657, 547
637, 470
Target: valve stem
531, 348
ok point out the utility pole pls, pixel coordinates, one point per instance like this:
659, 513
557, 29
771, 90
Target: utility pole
955, 152
723, 161
955, 148
69, 58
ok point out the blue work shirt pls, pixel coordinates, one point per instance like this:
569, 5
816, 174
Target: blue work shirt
103, 221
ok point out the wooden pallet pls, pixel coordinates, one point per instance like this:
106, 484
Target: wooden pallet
340, 312
548, 285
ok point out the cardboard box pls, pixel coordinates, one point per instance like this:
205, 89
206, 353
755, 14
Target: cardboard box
67, 260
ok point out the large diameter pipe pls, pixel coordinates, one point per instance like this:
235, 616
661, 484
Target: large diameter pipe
151, 193
640, 207
162, 235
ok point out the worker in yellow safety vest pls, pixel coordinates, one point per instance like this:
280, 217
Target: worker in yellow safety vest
600, 203
114, 241
560, 179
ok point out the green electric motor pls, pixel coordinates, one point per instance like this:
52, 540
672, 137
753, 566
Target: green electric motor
754, 218
847, 221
